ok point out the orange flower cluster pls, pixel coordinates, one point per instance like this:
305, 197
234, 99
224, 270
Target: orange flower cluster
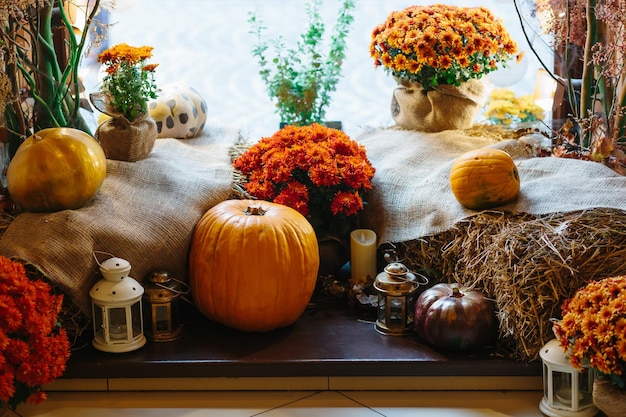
34, 348
318, 171
441, 44
594, 327
129, 81
122, 52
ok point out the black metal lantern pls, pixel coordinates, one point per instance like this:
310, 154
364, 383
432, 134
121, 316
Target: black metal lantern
162, 306
397, 292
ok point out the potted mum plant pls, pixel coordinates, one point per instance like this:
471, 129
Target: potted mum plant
437, 54
34, 348
314, 169
301, 79
593, 332
130, 133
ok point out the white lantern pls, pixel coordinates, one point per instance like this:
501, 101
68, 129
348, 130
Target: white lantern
567, 392
116, 309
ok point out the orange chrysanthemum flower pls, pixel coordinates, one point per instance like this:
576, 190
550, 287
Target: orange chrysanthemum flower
435, 44
594, 327
318, 171
34, 349
129, 82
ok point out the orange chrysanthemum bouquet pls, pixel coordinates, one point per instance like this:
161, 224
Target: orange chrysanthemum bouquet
34, 348
129, 80
593, 328
316, 170
441, 49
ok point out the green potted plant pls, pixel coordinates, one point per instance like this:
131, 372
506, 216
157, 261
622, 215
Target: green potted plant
301, 79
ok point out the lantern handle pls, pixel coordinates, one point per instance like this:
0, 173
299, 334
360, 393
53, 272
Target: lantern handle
165, 287
97, 252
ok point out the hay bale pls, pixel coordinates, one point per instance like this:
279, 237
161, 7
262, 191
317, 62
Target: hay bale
528, 264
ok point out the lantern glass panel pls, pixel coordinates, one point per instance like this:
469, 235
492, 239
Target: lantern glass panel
382, 311
118, 327
562, 389
98, 322
585, 387
396, 311
137, 319
546, 382
161, 318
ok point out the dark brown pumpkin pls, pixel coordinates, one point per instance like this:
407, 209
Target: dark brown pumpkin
454, 318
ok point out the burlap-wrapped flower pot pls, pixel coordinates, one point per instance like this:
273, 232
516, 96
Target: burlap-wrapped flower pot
609, 398
127, 141
445, 107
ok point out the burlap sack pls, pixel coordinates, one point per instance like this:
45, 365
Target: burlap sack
609, 398
145, 213
127, 141
444, 108
411, 196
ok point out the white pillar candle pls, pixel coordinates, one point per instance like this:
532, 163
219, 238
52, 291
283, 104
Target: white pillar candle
363, 253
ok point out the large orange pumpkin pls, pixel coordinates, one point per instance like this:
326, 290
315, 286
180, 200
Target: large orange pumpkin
56, 169
253, 264
484, 178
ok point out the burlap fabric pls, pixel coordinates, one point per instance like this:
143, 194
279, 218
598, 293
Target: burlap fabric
145, 212
127, 141
411, 196
444, 108
609, 398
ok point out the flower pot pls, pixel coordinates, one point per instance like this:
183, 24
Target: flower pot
127, 141
444, 108
608, 398
333, 256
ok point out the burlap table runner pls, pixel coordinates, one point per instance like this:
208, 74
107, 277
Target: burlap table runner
145, 213
411, 196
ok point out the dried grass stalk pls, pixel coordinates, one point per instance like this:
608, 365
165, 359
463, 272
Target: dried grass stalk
527, 264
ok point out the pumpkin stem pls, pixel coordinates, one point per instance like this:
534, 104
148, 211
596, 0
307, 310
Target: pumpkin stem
254, 211
456, 293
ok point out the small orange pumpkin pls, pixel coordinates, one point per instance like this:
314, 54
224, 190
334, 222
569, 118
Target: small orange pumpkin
56, 169
484, 178
253, 264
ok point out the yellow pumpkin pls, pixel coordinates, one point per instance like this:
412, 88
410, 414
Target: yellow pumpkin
484, 178
253, 264
56, 169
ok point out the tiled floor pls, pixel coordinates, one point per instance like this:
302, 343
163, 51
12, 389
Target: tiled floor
206, 43
290, 403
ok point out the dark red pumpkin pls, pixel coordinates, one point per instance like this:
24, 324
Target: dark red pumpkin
452, 317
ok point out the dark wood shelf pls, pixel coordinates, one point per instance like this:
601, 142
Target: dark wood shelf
325, 341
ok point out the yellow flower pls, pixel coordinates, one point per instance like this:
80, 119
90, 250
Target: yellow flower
503, 107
